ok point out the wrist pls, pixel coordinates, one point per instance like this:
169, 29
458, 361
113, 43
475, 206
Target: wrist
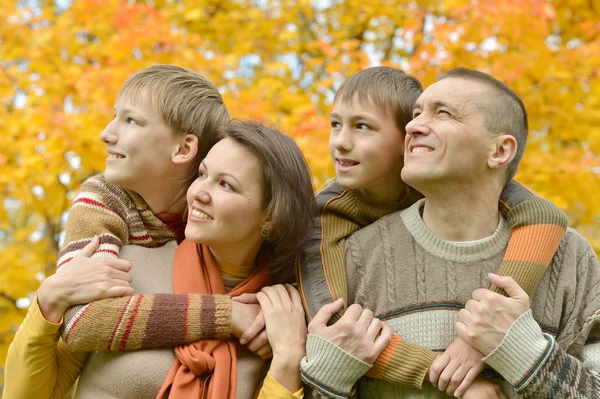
52, 302
236, 309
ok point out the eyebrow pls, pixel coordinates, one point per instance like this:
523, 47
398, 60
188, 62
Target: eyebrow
355, 117
438, 104
222, 173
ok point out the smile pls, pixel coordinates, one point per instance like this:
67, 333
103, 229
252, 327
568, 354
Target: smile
200, 215
346, 162
115, 156
420, 149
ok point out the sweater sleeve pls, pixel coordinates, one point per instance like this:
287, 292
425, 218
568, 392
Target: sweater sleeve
140, 321
537, 227
539, 368
272, 389
38, 365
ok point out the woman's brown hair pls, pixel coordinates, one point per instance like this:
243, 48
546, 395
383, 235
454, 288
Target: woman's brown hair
288, 195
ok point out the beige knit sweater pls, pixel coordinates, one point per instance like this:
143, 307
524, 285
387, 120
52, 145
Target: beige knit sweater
140, 374
417, 282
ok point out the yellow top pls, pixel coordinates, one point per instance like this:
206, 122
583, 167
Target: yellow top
234, 270
40, 365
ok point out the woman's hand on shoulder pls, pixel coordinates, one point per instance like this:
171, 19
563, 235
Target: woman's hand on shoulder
83, 279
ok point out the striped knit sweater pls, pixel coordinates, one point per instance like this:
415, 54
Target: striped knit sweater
322, 275
418, 282
122, 217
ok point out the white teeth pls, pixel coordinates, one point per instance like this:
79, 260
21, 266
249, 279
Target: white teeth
115, 156
201, 215
421, 149
347, 163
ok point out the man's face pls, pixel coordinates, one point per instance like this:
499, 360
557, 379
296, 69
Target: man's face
446, 142
366, 148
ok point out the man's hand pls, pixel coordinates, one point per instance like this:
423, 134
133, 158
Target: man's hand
248, 324
486, 318
483, 388
455, 370
83, 280
357, 332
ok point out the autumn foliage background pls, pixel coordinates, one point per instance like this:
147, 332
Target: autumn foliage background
62, 63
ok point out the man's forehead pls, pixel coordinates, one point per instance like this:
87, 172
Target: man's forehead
452, 91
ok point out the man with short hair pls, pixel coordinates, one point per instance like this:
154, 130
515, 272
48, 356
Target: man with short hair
416, 269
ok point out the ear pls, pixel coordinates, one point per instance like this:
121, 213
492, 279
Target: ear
503, 151
186, 149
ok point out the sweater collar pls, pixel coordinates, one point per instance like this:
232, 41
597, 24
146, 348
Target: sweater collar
454, 251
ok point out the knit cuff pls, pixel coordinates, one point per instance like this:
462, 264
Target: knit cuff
330, 367
522, 351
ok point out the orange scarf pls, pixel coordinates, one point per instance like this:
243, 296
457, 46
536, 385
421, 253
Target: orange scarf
206, 369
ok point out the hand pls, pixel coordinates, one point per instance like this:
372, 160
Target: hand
455, 370
482, 388
84, 280
286, 328
357, 332
248, 324
486, 318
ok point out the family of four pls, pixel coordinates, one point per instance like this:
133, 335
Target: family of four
423, 269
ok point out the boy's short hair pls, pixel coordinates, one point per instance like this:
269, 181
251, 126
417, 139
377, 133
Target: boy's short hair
289, 200
503, 110
185, 100
391, 89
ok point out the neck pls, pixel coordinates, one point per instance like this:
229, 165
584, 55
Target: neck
167, 197
237, 254
462, 215
390, 191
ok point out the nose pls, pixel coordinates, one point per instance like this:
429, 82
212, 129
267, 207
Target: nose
199, 191
109, 134
343, 140
418, 126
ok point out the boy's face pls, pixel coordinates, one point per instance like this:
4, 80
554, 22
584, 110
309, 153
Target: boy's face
139, 147
367, 149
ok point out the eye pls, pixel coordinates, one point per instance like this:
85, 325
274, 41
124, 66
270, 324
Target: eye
362, 126
226, 185
416, 114
443, 112
335, 125
130, 121
201, 175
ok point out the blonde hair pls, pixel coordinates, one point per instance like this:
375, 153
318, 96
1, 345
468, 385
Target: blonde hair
186, 101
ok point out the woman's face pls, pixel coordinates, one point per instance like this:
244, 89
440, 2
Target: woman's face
225, 202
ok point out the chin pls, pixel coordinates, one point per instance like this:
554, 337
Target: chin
348, 183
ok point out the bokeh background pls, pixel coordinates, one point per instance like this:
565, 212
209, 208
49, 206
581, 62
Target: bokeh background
62, 63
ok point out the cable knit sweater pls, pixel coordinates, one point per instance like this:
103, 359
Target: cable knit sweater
122, 217
417, 282
536, 227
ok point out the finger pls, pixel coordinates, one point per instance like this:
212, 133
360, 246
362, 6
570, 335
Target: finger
365, 318
283, 297
119, 264
446, 375
374, 327
116, 291
509, 285
465, 316
467, 381
254, 328
294, 295
471, 305
120, 275
89, 249
326, 312
456, 379
353, 313
258, 342
246, 298
383, 339
481, 294
265, 352
462, 331
438, 366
